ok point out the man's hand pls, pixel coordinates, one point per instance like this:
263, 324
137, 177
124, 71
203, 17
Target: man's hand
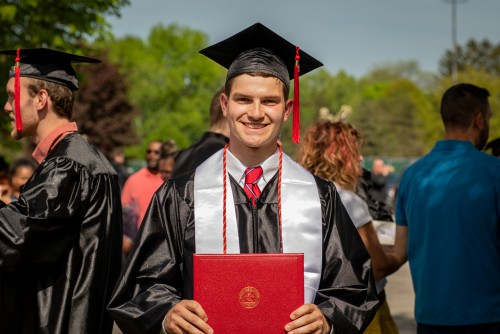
307, 319
187, 317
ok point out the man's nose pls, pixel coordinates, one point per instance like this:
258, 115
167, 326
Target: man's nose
256, 111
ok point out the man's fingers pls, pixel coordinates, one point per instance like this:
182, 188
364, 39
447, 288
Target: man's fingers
187, 317
306, 319
196, 308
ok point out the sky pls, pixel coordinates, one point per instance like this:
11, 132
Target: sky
350, 35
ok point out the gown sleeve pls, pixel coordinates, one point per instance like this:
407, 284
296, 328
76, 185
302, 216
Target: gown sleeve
40, 226
152, 281
347, 293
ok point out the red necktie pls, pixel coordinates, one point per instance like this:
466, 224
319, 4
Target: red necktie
252, 176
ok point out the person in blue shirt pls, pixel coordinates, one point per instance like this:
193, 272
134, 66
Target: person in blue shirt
448, 222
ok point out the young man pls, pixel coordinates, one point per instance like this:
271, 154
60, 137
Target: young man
448, 216
286, 209
60, 241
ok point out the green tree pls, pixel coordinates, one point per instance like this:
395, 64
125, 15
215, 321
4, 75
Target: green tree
394, 113
390, 119
477, 55
170, 83
101, 110
51, 23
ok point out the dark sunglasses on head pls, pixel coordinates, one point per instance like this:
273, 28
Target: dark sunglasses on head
152, 151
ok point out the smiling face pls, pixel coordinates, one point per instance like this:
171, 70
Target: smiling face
255, 111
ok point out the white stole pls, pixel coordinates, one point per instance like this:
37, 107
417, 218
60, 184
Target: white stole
301, 216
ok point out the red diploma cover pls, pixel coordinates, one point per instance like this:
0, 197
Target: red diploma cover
248, 293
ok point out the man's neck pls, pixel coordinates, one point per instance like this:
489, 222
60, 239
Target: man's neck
461, 135
152, 171
251, 156
48, 125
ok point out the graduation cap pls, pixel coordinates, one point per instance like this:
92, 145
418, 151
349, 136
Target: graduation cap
257, 49
494, 145
44, 64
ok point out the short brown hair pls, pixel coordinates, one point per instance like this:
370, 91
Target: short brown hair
62, 97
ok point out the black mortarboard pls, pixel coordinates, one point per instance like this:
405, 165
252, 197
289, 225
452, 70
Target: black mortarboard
48, 65
495, 147
44, 64
257, 49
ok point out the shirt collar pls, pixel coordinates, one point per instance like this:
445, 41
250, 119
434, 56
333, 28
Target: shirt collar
237, 169
453, 144
46, 145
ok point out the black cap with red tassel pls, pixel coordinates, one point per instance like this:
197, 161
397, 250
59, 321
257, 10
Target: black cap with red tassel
257, 49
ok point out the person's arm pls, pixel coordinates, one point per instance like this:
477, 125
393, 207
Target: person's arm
42, 224
400, 251
153, 279
383, 264
347, 295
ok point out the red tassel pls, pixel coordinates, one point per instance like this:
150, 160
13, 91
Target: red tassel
17, 93
296, 99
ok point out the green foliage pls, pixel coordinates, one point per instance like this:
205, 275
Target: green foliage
171, 83
54, 23
391, 120
101, 110
480, 56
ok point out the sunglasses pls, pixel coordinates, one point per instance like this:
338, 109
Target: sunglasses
152, 151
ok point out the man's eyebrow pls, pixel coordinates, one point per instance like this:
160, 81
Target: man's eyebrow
272, 96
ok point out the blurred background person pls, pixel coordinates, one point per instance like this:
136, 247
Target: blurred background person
166, 163
20, 171
332, 150
211, 141
380, 172
5, 188
137, 193
117, 160
378, 210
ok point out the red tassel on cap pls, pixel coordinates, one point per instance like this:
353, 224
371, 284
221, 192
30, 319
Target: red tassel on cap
296, 99
17, 93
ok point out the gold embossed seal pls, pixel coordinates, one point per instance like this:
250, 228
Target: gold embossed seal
249, 297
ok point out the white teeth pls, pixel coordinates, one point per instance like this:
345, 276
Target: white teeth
255, 126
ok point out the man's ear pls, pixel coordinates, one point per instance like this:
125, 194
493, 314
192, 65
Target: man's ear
288, 109
223, 103
41, 99
478, 122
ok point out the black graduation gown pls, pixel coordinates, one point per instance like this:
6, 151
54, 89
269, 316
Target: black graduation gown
194, 155
159, 272
60, 245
